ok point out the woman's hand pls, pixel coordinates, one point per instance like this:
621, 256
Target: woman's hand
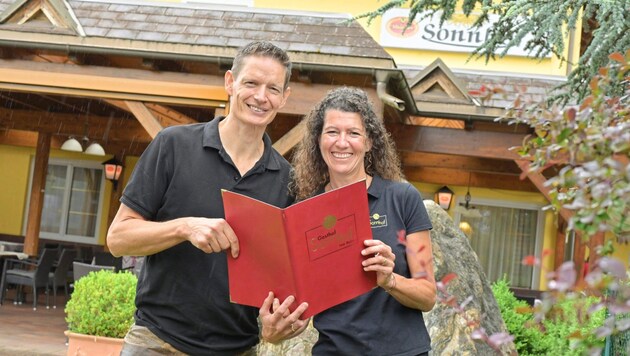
278, 323
380, 258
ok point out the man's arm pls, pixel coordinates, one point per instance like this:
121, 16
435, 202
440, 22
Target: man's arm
132, 235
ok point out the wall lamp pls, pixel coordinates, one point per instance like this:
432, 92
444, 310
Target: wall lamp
113, 169
444, 197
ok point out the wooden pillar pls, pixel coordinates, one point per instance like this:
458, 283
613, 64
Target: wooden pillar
42, 151
578, 256
561, 242
595, 241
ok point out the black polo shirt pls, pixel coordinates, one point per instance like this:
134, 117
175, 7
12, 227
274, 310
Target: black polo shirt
182, 292
375, 323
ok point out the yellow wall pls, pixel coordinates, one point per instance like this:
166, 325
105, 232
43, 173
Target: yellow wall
15, 166
403, 56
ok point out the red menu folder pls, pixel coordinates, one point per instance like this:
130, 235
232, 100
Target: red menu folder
311, 250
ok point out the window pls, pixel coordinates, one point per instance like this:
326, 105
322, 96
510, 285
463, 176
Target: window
72, 201
501, 235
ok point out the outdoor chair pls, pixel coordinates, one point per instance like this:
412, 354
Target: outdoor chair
80, 269
59, 277
35, 274
107, 259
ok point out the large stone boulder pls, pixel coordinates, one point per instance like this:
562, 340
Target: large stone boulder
450, 332
452, 253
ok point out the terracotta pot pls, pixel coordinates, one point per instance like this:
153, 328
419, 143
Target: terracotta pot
86, 345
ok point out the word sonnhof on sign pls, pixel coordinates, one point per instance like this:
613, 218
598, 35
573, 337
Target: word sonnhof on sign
454, 35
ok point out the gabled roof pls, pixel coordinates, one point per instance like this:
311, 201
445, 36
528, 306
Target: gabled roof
38, 15
198, 29
436, 83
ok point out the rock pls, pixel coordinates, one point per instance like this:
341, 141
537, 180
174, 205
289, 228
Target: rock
452, 252
450, 332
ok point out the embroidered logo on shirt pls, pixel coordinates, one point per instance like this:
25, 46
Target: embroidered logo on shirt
377, 220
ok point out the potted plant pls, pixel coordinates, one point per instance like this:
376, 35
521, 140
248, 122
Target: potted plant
100, 312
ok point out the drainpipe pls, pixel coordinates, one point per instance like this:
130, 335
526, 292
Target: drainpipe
382, 78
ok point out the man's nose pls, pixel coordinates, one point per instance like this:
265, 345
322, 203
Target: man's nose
261, 93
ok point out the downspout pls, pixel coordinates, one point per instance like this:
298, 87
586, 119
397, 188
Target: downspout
381, 91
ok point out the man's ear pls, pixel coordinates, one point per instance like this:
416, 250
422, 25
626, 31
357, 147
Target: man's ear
285, 96
229, 82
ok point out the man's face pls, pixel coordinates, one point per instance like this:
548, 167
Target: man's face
257, 93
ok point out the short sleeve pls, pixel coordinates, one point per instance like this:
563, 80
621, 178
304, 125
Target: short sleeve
416, 216
150, 178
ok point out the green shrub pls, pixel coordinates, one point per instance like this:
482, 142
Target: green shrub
102, 304
516, 314
558, 335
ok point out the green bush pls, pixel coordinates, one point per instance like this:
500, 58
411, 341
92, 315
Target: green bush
558, 335
102, 304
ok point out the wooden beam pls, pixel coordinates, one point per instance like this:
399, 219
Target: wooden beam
291, 138
482, 144
144, 116
304, 97
40, 169
445, 176
116, 80
539, 181
469, 164
173, 116
125, 130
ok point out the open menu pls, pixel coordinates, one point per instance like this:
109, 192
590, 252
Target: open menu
311, 250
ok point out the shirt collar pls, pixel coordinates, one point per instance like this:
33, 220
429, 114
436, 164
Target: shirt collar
212, 139
376, 187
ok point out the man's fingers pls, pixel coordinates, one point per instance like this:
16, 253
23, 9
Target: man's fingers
232, 240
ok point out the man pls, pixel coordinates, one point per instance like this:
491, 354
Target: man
172, 213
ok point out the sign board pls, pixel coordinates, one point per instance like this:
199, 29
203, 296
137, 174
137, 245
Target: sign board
454, 35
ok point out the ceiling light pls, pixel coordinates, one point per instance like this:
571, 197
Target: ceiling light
95, 149
72, 145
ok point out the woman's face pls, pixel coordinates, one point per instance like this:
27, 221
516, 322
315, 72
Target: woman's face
343, 144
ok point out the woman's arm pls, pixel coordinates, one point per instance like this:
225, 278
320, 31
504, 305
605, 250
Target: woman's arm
419, 291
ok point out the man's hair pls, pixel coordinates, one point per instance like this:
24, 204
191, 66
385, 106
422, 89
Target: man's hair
263, 49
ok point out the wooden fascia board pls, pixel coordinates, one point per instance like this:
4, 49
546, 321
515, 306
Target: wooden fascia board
475, 143
12, 9
458, 111
120, 80
169, 50
65, 12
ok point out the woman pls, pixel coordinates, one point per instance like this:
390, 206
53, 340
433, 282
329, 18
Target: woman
345, 142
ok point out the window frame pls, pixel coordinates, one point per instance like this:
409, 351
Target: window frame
70, 164
540, 225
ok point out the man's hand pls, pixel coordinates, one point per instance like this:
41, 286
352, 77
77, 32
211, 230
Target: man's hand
278, 323
212, 235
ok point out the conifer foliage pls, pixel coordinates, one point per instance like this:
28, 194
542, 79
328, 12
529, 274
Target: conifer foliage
542, 27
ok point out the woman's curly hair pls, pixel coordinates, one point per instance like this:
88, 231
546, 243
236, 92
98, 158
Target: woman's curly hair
310, 172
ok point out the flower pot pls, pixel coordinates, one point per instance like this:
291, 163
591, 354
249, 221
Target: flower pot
84, 345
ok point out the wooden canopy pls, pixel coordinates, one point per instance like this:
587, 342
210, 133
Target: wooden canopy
116, 74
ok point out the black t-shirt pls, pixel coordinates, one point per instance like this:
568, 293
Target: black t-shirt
182, 293
375, 323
